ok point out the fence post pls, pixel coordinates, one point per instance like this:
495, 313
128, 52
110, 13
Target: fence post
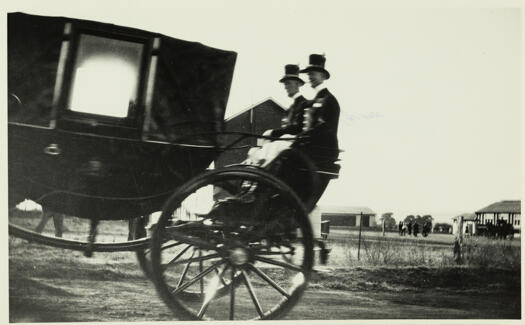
359, 241
460, 230
458, 242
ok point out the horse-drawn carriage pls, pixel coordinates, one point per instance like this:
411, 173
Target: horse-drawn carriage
114, 123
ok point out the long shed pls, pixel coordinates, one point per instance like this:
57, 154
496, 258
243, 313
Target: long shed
348, 216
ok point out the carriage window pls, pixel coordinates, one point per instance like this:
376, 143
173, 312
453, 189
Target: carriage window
105, 76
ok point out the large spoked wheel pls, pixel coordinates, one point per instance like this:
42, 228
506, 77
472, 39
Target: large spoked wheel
256, 236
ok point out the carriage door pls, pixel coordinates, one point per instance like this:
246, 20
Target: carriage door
33, 56
99, 112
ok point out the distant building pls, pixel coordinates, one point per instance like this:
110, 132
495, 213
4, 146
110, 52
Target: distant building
442, 228
348, 216
469, 223
256, 119
510, 211
474, 223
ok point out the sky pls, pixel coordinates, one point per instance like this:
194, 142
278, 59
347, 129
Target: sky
430, 96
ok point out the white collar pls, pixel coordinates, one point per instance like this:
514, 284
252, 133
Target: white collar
297, 94
319, 87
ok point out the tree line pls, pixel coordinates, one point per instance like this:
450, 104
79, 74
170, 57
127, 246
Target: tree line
392, 224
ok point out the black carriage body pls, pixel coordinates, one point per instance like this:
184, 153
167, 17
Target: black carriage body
97, 113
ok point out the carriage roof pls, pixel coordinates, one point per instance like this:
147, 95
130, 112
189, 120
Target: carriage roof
181, 87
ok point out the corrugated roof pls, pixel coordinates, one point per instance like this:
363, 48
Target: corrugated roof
347, 210
513, 206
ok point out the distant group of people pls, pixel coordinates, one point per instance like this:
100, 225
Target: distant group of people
412, 228
501, 230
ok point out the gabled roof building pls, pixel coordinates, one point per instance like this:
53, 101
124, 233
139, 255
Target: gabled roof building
255, 120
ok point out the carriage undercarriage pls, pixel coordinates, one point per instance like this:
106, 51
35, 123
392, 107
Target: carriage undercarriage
209, 259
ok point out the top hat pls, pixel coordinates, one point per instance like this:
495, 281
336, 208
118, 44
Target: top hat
291, 71
317, 64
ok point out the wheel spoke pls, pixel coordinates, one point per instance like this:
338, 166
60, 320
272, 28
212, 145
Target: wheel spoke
197, 259
269, 280
211, 291
221, 278
200, 270
177, 243
273, 253
198, 277
232, 294
279, 263
172, 261
181, 237
252, 293
186, 268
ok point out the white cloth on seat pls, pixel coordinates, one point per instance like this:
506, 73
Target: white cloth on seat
269, 151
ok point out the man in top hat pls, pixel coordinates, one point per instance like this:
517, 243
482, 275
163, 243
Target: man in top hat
293, 123
319, 137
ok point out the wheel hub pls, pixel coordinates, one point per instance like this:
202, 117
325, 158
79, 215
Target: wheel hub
239, 256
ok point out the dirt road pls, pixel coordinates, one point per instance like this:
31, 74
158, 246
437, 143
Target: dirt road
54, 285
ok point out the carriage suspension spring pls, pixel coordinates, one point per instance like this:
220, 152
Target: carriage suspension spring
91, 237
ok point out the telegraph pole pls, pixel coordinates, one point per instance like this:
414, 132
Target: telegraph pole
359, 241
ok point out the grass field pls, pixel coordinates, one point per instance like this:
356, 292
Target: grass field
394, 278
436, 250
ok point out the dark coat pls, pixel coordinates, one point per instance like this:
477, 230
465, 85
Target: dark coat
320, 141
320, 144
295, 118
